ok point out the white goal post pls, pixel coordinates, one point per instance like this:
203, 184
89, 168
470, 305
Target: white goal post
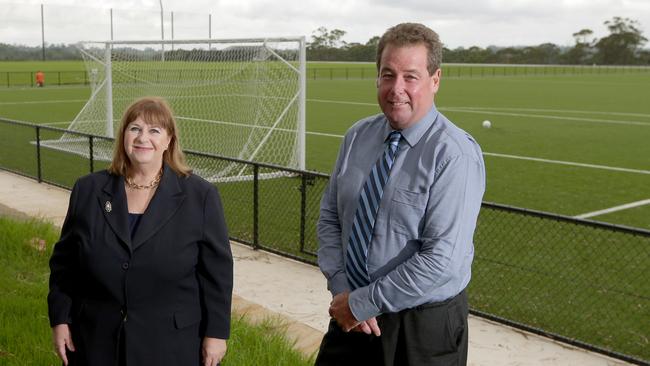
240, 98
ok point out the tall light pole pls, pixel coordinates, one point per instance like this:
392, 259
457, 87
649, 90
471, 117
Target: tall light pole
162, 30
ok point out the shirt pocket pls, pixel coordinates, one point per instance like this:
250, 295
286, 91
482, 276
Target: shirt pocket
407, 210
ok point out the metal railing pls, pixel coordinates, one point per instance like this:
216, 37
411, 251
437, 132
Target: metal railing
454, 70
577, 281
349, 71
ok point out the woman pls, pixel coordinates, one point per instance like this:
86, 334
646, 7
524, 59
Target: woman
142, 274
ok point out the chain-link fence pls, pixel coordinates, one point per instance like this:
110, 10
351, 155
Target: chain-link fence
350, 71
578, 281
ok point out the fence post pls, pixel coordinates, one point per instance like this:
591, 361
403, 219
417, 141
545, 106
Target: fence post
91, 153
58, 74
256, 170
303, 209
38, 154
7, 79
31, 78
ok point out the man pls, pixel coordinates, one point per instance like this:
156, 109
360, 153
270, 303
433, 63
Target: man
397, 219
40, 78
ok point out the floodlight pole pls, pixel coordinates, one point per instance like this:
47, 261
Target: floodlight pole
162, 30
43, 32
112, 24
109, 89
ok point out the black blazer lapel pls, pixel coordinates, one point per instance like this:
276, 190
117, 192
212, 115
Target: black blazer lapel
112, 201
166, 201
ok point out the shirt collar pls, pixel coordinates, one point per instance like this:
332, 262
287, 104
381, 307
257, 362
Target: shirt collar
413, 134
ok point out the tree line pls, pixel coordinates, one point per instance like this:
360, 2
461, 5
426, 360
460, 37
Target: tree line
623, 46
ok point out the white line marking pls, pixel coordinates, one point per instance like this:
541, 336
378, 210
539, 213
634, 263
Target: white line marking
594, 166
559, 110
545, 116
46, 101
560, 162
487, 111
613, 209
342, 102
324, 134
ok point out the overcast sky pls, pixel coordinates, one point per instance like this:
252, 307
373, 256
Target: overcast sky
460, 23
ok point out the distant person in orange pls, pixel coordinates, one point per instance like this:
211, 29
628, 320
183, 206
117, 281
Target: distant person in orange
40, 78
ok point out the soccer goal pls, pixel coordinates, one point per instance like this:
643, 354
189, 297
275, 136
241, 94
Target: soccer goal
240, 98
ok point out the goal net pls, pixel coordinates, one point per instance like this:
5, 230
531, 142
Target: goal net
243, 99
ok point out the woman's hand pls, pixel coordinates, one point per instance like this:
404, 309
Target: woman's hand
213, 351
62, 340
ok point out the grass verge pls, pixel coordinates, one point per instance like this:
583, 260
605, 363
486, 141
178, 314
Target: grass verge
25, 337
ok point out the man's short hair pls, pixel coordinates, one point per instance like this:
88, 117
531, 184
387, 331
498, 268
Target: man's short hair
412, 34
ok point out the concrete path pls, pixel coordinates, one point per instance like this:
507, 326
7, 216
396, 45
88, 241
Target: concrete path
267, 285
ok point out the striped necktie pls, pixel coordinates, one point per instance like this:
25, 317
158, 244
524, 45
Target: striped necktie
364, 218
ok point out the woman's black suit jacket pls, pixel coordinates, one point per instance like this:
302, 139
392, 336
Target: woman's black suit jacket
162, 291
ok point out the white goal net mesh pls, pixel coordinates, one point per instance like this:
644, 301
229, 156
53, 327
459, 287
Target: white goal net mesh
237, 98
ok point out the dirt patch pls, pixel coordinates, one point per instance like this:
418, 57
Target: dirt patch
7, 211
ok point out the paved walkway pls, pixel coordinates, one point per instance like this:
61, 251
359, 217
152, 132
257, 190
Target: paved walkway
267, 285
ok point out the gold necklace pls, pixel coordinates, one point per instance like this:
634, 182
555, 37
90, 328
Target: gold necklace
153, 184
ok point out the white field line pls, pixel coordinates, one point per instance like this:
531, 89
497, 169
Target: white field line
518, 157
485, 110
546, 116
613, 209
488, 111
342, 102
558, 110
571, 163
560, 162
45, 101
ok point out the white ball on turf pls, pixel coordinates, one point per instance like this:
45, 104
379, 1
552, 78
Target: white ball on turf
487, 124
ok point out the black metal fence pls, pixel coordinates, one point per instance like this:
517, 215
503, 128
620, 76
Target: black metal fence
577, 281
347, 71
28, 78
369, 71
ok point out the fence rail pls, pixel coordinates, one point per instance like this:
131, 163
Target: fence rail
577, 281
335, 71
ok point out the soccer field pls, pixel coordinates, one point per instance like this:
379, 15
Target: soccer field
572, 144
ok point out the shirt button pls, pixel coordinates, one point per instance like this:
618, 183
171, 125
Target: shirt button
125, 266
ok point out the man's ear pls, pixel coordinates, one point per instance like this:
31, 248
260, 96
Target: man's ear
435, 79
